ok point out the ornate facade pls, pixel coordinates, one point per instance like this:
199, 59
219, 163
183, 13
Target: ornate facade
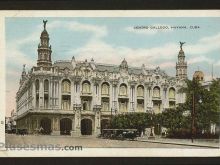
79, 97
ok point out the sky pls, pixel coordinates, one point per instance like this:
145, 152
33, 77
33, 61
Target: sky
110, 40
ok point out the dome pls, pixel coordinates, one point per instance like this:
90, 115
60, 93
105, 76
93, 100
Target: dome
124, 64
199, 75
44, 34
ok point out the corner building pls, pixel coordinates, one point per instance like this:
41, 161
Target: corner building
80, 97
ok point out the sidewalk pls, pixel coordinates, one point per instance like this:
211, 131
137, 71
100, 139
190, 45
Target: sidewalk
209, 143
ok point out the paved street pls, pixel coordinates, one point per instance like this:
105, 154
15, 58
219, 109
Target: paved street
85, 141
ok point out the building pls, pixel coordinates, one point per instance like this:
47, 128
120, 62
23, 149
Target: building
79, 97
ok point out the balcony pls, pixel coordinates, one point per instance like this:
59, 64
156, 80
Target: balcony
125, 96
46, 91
172, 99
156, 98
86, 94
105, 94
66, 92
140, 97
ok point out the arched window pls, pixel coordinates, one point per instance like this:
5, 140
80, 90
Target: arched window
172, 93
37, 85
66, 86
86, 87
156, 92
123, 90
140, 91
105, 89
46, 85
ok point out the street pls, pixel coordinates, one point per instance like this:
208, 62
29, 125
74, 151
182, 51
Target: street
86, 142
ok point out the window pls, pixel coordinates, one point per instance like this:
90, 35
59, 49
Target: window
46, 85
105, 89
156, 92
66, 88
140, 91
86, 87
123, 90
172, 93
37, 85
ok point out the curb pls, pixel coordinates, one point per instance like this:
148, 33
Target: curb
184, 144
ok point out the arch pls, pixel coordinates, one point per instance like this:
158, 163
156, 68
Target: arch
45, 126
46, 85
140, 91
37, 85
37, 88
85, 105
172, 93
123, 89
156, 92
105, 88
46, 91
105, 124
65, 126
86, 86
86, 126
66, 86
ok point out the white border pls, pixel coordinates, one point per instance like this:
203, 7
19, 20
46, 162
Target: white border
94, 152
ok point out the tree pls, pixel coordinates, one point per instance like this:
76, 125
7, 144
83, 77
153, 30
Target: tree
132, 121
206, 103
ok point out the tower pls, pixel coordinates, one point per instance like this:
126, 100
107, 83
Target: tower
44, 49
181, 65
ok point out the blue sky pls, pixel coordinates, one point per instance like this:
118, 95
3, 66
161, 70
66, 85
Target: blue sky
109, 40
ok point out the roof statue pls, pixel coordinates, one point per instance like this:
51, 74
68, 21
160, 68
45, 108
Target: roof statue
181, 44
45, 22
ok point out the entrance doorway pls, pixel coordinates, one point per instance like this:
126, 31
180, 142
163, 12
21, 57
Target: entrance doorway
45, 124
86, 127
65, 126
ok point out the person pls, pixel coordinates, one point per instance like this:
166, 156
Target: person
41, 130
142, 133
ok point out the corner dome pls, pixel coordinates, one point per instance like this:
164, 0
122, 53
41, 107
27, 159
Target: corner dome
199, 75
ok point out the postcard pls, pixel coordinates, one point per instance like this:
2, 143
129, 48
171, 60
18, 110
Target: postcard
109, 83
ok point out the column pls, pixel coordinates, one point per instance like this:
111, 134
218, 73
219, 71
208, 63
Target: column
76, 131
33, 96
97, 130
55, 126
135, 97
59, 94
41, 95
50, 97
72, 95
111, 97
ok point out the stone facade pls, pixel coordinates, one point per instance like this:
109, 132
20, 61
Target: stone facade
79, 97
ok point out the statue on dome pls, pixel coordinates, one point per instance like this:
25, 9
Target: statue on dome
45, 22
181, 44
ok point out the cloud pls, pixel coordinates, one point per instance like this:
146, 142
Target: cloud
149, 30
204, 45
97, 31
200, 59
106, 53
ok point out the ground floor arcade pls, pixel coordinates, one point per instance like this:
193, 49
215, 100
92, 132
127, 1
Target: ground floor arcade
64, 124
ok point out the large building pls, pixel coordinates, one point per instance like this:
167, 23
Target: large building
79, 97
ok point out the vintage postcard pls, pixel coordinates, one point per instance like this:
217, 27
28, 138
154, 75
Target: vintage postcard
110, 83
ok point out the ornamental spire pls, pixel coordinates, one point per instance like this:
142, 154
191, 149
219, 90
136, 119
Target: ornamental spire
45, 22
